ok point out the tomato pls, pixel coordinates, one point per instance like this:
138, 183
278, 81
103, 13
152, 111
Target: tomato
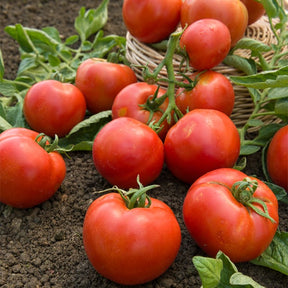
216, 220
255, 10
130, 246
125, 148
277, 158
28, 175
207, 42
53, 107
101, 81
232, 13
151, 21
201, 141
129, 100
212, 91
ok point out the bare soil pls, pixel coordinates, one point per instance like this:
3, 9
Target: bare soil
42, 246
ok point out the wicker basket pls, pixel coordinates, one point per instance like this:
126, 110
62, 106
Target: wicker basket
140, 54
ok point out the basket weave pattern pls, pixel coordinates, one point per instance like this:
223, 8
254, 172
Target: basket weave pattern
140, 54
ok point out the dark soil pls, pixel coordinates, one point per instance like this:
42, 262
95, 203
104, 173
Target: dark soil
42, 246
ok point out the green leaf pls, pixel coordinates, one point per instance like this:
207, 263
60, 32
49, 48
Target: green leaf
263, 80
7, 88
248, 66
243, 280
253, 45
277, 93
279, 192
26, 64
221, 273
91, 21
71, 40
271, 7
275, 256
248, 149
209, 270
82, 135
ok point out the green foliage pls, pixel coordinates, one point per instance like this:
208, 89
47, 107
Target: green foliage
44, 55
220, 272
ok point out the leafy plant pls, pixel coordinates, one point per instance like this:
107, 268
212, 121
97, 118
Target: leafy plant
45, 55
220, 272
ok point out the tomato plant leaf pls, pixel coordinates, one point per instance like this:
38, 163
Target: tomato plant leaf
265, 79
275, 256
246, 149
243, 280
248, 66
209, 270
252, 44
271, 7
82, 135
221, 273
89, 22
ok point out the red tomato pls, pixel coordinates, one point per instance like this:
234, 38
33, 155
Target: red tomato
277, 158
217, 221
53, 107
28, 175
128, 100
101, 81
201, 141
232, 13
207, 42
255, 10
212, 91
149, 20
125, 148
130, 246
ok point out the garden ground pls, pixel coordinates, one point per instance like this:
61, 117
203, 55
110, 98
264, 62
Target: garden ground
42, 246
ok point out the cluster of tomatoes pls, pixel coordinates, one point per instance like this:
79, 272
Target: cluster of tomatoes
201, 148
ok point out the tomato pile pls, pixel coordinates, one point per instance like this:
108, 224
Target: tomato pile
129, 237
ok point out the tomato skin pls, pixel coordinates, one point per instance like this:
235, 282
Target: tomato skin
53, 107
151, 21
124, 148
255, 10
201, 141
122, 244
237, 231
232, 13
127, 101
212, 91
29, 175
207, 42
101, 81
277, 158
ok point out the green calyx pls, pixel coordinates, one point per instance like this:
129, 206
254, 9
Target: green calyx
135, 197
243, 192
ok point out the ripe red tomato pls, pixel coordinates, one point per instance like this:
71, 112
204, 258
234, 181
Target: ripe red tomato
101, 81
277, 158
201, 141
28, 175
217, 221
128, 100
151, 21
232, 13
125, 148
207, 42
130, 246
53, 107
212, 91
255, 10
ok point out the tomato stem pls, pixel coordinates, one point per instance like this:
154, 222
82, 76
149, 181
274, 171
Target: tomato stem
135, 197
243, 192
